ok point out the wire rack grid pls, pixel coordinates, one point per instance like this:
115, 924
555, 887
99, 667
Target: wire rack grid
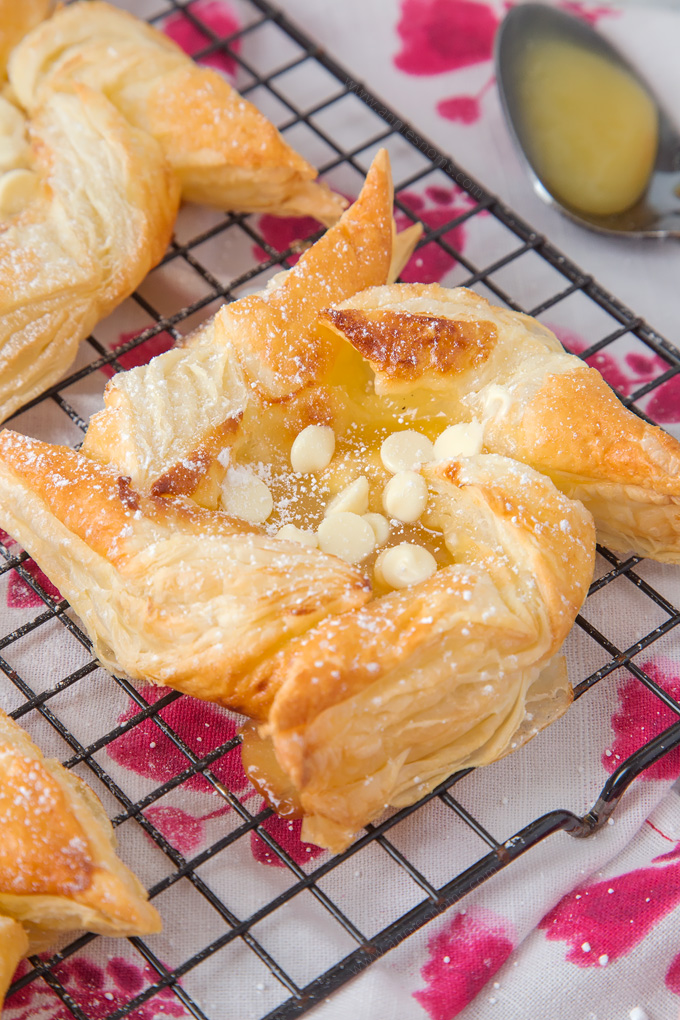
341, 130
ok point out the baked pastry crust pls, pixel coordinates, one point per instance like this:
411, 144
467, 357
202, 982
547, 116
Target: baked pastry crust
537, 403
223, 150
165, 423
58, 868
101, 218
376, 707
457, 668
17, 19
13, 947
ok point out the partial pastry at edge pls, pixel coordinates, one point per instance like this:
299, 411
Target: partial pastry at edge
58, 868
13, 947
536, 403
223, 150
102, 217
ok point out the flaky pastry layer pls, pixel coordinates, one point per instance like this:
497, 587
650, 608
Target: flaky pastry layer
223, 150
453, 351
58, 868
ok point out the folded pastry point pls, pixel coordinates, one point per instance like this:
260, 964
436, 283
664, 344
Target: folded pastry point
224, 151
58, 868
377, 706
537, 404
169, 592
101, 216
189, 404
13, 947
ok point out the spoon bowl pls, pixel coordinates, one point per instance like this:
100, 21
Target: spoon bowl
655, 207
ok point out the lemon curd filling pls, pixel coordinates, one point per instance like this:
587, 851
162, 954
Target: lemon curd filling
591, 128
340, 470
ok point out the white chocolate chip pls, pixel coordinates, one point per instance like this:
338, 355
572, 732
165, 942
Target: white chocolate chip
352, 499
17, 188
405, 496
312, 449
380, 525
496, 401
404, 565
290, 533
246, 496
404, 451
463, 440
346, 535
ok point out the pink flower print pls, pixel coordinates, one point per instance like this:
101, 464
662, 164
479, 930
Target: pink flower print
642, 716
219, 18
286, 832
605, 920
142, 354
590, 14
431, 263
672, 979
20, 595
465, 109
183, 831
444, 35
628, 375
98, 991
462, 958
664, 404
144, 749
281, 232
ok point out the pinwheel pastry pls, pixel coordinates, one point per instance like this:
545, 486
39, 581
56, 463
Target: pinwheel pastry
58, 868
251, 522
105, 123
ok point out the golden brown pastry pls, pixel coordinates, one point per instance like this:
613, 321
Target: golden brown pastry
16, 19
165, 423
58, 868
376, 707
13, 947
170, 591
450, 351
224, 151
251, 521
102, 212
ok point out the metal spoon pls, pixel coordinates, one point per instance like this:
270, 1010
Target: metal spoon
657, 212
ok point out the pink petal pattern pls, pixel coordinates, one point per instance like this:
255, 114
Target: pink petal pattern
444, 35
286, 832
609, 918
463, 956
144, 749
98, 991
642, 716
216, 16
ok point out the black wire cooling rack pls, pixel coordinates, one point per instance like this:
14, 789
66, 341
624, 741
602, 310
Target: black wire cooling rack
340, 131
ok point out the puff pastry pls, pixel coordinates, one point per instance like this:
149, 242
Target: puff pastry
139, 533
450, 351
16, 20
172, 591
13, 947
223, 150
58, 868
101, 217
